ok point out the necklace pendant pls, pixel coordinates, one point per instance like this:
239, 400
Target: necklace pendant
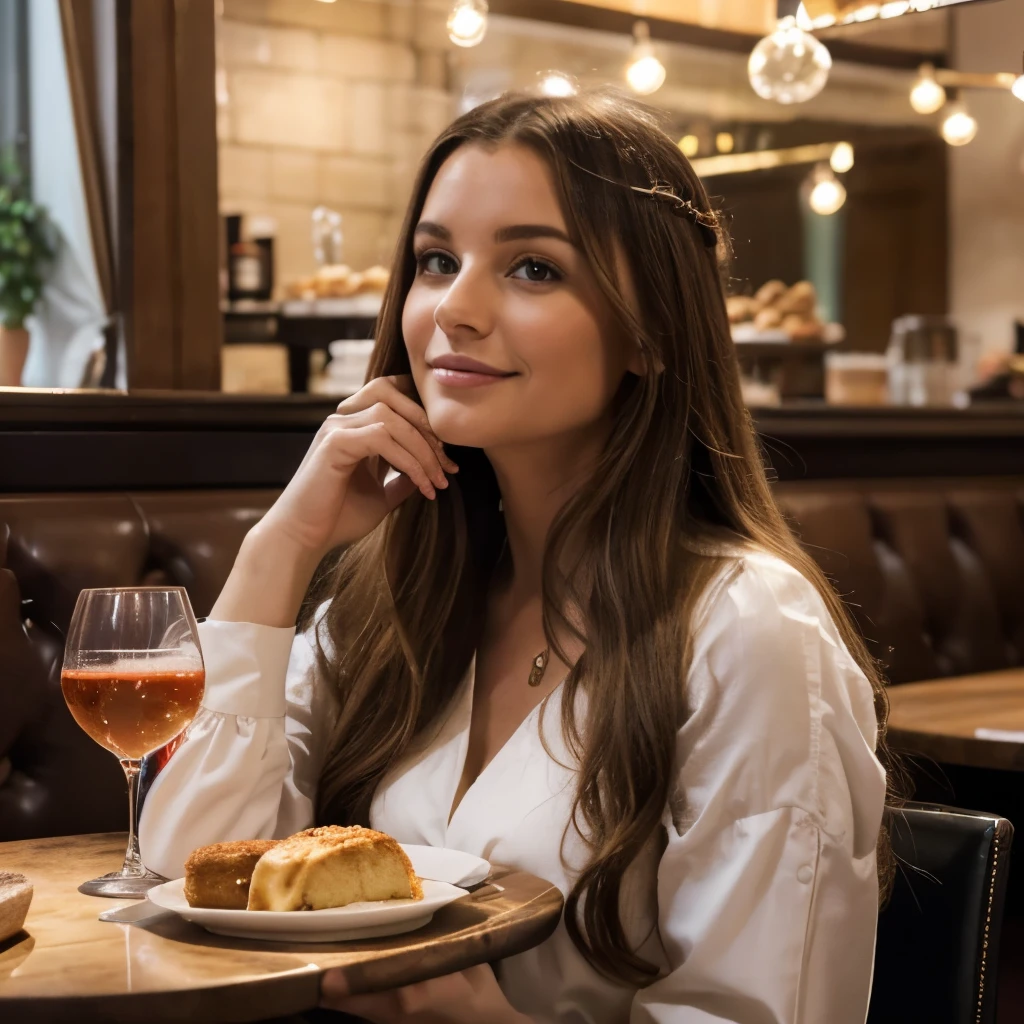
540, 663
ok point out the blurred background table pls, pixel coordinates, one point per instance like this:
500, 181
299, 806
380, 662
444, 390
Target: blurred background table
68, 965
941, 719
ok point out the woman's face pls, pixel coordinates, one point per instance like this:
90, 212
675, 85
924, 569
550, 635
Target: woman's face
509, 337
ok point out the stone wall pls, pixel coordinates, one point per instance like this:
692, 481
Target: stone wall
986, 198
328, 103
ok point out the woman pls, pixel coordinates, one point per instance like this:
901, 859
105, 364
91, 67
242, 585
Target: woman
570, 631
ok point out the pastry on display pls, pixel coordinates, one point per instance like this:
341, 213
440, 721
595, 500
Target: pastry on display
776, 307
332, 866
339, 281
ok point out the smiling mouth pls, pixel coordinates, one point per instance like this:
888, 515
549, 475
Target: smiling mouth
462, 372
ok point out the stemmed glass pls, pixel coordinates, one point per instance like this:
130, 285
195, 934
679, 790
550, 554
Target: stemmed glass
133, 679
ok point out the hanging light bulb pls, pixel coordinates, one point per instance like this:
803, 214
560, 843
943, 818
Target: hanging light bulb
645, 73
467, 23
1018, 88
827, 194
927, 95
689, 145
557, 83
841, 159
958, 127
790, 65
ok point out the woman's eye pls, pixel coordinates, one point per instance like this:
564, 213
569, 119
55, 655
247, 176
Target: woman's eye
437, 263
536, 270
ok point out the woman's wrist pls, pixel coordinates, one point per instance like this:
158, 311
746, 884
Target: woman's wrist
267, 582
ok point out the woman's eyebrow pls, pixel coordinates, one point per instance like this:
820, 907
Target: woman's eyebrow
507, 234
518, 231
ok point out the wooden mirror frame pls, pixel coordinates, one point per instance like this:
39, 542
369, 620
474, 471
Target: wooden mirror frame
142, 82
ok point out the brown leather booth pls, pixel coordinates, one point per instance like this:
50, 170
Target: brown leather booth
54, 780
932, 569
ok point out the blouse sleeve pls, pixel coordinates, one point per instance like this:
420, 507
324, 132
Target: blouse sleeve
767, 888
248, 766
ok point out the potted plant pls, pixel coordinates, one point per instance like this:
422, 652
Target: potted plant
26, 248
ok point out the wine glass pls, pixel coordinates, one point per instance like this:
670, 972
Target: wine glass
133, 679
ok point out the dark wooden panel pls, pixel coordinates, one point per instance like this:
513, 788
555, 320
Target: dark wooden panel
896, 239
151, 316
172, 316
95, 441
102, 460
200, 322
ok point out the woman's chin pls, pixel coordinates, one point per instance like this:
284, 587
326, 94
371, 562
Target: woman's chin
461, 430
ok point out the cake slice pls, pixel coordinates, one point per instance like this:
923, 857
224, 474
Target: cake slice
217, 876
332, 866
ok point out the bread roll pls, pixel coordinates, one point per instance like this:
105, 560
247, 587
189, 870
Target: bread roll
375, 278
769, 293
768, 319
332, 866
803, 328
740, 308
15, 899
217, 877
801, 298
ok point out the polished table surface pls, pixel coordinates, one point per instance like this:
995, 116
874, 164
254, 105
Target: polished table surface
939, 719
68, 965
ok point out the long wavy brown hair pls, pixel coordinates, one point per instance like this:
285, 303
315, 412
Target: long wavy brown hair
681, 464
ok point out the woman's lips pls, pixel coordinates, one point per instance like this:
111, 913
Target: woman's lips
457, 370
466, 378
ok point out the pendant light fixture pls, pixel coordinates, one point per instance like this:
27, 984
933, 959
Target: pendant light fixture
958, 127
790, 65
556, 83
841, 159
467, 23
644, 72
927, 95
827, 193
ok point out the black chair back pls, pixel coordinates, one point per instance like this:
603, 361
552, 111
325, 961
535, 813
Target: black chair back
938, 937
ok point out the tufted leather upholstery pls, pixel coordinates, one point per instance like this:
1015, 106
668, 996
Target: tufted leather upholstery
933, 570
54, 780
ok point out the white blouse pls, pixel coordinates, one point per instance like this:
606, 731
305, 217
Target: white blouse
759, 906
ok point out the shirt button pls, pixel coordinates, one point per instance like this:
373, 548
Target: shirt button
804, 874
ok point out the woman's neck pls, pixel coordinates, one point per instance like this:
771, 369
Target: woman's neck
536, 480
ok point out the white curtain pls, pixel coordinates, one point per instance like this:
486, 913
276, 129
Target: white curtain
68, 324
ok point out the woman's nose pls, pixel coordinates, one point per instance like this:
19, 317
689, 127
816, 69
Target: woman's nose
467, 306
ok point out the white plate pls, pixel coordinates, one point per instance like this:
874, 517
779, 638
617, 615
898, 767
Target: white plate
356, 921
452, 866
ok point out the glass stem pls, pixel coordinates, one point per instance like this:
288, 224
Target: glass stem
132, 866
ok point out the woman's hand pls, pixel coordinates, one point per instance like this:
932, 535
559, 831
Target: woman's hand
469, 997
338, 494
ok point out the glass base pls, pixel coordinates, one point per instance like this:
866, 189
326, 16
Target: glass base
124, 887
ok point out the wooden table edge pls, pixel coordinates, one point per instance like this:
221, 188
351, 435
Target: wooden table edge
966, 751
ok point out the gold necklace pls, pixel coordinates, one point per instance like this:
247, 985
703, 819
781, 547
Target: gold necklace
540, 663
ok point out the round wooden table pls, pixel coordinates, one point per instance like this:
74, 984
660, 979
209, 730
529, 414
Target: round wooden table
941, 719
68, 965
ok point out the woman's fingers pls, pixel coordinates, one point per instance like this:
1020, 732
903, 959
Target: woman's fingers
394, 392
350, 445
405, 434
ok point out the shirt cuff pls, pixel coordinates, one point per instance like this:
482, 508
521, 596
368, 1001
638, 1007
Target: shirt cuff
246, 665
